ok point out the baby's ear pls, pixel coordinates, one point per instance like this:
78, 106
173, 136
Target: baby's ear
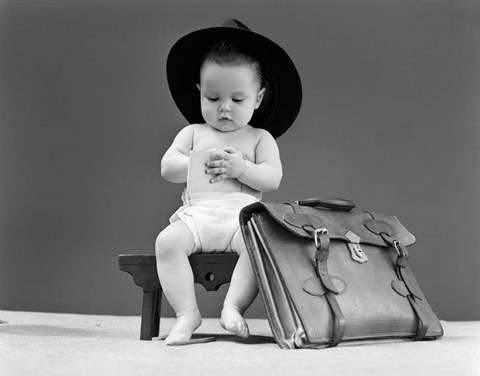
198, 87
260, 95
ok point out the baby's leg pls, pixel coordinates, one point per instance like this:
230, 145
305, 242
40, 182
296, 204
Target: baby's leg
243, 290
172, 247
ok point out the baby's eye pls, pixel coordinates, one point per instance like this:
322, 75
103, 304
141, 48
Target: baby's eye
238, 100
212, 99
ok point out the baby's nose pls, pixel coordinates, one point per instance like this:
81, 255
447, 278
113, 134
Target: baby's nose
224, 106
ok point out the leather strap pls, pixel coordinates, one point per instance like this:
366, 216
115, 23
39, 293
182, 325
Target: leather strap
422, 319
402, 271
322, 243
413, 298
404, 275
338, 315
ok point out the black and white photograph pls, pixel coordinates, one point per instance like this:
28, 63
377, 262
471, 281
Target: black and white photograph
243, 187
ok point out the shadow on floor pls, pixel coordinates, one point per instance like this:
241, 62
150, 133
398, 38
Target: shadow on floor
34, 330
252, 340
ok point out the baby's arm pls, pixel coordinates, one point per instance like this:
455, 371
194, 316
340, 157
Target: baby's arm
263, 175
266, 173
174, 165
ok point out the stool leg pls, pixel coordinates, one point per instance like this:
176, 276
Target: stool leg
148, 314
157, 315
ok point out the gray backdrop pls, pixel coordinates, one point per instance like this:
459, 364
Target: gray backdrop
390, 120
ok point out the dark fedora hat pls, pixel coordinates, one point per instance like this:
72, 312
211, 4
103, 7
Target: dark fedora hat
276, 114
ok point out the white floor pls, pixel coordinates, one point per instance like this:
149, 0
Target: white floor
68, 344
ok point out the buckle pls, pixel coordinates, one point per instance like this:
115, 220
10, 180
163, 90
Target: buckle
401, 251
317, 234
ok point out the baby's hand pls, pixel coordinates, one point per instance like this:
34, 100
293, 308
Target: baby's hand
226, 163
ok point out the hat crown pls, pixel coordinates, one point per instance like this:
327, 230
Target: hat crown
233, 22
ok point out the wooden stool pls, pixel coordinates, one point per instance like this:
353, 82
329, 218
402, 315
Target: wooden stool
210, 270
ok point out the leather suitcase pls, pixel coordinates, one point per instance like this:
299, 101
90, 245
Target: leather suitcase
330, 275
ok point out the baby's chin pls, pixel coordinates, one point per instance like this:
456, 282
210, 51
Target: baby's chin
226, 126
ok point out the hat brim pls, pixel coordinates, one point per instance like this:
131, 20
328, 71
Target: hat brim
285, 98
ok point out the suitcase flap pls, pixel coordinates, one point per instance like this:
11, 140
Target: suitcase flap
349, 226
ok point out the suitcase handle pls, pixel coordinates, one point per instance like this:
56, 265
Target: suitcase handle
333, 203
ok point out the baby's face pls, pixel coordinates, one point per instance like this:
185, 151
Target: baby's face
229, 94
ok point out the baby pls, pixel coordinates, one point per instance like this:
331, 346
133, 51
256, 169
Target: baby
232, 83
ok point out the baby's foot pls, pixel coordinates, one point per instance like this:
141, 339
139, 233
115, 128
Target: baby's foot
234, 322
186, 324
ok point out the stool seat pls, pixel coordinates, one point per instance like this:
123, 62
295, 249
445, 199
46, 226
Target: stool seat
211, 270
